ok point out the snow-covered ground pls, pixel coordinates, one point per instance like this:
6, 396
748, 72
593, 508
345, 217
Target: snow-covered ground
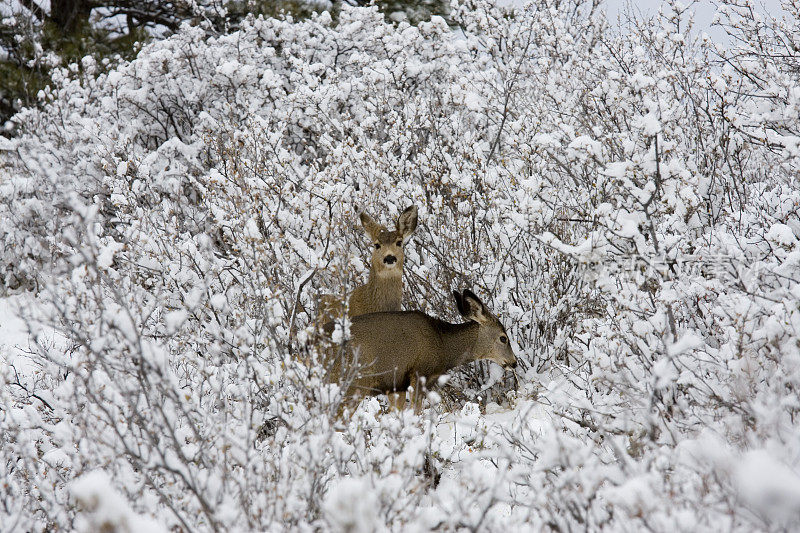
16, 344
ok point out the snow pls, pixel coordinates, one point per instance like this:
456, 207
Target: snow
769, 485
634, 496
175, 320
104, 509
782, 235
168, 231
688, 342
351, 505
15, 340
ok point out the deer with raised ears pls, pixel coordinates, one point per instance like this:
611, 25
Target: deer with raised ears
393, 351
384, 290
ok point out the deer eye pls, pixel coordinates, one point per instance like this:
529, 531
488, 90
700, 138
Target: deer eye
503, 339
399, 243
377, 245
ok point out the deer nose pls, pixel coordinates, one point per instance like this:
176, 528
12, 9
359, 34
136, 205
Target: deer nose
390, 259
512, 365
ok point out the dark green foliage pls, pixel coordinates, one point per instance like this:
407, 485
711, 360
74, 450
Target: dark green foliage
413, 10
30, 49
297, 9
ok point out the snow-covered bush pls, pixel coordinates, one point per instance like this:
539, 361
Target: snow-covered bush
628, 204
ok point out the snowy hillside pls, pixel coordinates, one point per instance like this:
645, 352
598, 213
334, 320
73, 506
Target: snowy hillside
627, 204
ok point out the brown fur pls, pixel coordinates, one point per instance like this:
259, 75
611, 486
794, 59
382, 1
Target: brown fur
384, 289
393, 350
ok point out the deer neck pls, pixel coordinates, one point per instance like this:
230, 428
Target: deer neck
386, 290
458, 343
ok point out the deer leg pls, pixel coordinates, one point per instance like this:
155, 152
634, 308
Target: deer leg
420, 393
397, 400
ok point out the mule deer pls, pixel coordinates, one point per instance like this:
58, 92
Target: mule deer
384, 289
395, 350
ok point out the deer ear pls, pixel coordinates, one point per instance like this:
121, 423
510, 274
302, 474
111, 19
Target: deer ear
372, 227
459, 303
407, 222
474, 308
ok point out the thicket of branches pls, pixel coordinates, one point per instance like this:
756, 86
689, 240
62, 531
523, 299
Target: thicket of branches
36, 36
627, 203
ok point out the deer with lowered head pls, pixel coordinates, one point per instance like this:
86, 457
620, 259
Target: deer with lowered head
393, 351
384, 289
